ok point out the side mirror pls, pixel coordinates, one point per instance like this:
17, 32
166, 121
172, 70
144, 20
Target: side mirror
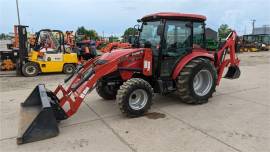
133, 37
160, 30
137, 27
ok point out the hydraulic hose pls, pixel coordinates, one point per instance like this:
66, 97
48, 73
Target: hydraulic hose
88, 74
78, 68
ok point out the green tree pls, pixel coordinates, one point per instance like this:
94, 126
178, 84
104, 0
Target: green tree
223, 31
130, 31
91, 34
4, 36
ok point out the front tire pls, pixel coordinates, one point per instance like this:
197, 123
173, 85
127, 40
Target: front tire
196, 83
69, 68
105, 91
30, 69
135, 97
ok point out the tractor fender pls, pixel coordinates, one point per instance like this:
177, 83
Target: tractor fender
195, 54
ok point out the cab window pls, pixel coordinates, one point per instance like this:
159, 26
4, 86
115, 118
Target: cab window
149, 35
177, 41
198, 35
177, 38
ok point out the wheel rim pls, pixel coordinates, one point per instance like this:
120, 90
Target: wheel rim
138, 99
30, 70
69, 69
202, 82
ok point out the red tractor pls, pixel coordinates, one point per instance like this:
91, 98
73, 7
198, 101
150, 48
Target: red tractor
169, 56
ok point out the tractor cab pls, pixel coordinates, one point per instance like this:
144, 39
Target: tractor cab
171, 36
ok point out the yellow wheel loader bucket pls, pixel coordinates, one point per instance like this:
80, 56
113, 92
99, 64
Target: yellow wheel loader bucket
39, 116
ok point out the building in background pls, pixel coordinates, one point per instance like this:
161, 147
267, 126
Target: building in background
211, 34
262, 30
211, 39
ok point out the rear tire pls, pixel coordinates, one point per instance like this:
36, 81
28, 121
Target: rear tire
196, 83
30, 69
135, 97
69, 68
105, 91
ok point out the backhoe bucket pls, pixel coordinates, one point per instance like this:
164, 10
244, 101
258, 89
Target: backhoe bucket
38, 119
233, 72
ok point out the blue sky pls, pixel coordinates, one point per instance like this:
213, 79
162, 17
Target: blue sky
114, 16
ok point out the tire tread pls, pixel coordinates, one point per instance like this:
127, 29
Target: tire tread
124, 91
183, 81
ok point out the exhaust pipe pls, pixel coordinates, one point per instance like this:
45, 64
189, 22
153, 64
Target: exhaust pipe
39, 116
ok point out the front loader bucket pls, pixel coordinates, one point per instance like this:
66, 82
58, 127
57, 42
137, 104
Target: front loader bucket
233, 72
37, 120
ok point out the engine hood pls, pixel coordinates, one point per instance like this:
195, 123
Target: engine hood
118, 53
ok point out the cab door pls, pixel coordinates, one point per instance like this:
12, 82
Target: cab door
177, 41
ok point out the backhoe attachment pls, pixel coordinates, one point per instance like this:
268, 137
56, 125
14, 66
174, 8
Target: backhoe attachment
232, 62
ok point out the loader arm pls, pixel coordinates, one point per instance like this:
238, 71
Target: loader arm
82, 83
221, 62
77, 86
41, 111
43, 108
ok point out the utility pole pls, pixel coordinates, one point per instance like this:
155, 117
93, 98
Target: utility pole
18, 12
265, 29
253, 25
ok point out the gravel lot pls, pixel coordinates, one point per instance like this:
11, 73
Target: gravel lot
237, 118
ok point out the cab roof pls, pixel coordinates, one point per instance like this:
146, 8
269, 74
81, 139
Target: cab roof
173, 16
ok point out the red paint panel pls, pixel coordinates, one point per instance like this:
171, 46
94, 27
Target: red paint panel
189, 57
147, 62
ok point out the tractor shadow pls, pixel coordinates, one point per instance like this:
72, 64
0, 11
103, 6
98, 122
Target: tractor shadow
161, 101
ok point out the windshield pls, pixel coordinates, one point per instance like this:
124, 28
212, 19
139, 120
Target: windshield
149, 34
